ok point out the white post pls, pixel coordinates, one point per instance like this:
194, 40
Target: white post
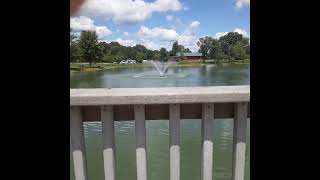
239, 141
174, 126
108, 142
140, 131
207, 144
78, 144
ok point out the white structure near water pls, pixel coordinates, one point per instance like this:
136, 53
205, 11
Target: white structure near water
174, 104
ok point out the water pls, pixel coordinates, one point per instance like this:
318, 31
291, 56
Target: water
158, 131
210, 75
161, 66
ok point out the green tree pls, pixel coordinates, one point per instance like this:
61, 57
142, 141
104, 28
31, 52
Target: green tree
105, 47
234, 45
238, 51
215, 51
140, 48
163, 54
139, 57
175, 48
204, 45
150, 54
156, 55
90, 50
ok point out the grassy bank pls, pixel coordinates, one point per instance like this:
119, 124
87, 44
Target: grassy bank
246, 61
75, 67
78, 67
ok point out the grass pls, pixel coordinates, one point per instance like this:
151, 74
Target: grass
76, 67
246, 61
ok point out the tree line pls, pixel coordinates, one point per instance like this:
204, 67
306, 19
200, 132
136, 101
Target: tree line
87, 48
232, 46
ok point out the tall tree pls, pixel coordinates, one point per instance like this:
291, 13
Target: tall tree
204, 44
156, 55
229, 40
88, 43
139, 57
175, 48
149, 54
215, 51
140, 48
163, 54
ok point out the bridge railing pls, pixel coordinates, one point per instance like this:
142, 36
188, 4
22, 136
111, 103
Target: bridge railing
174, 104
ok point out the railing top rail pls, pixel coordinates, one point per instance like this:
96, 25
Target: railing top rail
162, 95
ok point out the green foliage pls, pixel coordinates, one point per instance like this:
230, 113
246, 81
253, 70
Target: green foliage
75, 53
150, 54
232, 46
139, 57
156, 55
204, 44
175, 48
90, 49
163, 54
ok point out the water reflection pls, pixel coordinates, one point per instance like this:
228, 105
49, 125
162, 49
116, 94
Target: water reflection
209, 75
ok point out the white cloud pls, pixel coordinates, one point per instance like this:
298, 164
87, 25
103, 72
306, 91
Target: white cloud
194, 24
151, 45
238, 30
241, 31
127, 42
242, 3
127, 11
84, 23
187, 40
162, 37
158, 32
220, 34
126, 33
169, 17
103, 31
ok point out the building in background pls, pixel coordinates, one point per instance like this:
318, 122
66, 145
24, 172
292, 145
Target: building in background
188, 57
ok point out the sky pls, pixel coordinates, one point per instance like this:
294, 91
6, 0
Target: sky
158, 23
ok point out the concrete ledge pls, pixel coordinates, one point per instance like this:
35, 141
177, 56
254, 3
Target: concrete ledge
167, 95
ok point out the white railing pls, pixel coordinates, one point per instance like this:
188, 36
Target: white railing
140, 104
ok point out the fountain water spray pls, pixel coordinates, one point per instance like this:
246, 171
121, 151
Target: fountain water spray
162, 67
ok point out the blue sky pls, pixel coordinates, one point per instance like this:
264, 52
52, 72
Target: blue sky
158, 23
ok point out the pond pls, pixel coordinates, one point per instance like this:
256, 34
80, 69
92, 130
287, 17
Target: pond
158, 131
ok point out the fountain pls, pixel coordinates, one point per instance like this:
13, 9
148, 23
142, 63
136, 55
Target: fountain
161, 67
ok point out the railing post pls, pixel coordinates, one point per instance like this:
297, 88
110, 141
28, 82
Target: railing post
207, 144
239, 141
78, 144
140, 131
174, 126
108, 142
